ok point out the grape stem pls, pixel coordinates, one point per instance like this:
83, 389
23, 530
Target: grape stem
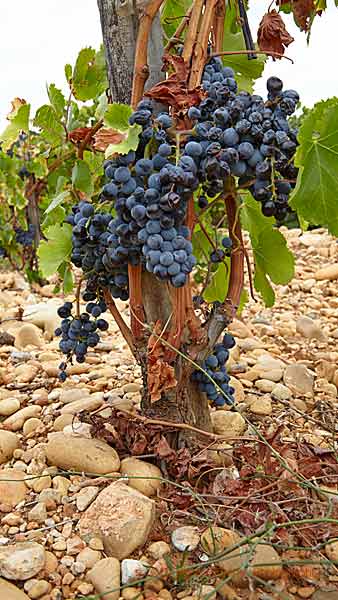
200, 50
175, 39
190, 39
77, 297
236, 280
88, 138
123, 327
141, 68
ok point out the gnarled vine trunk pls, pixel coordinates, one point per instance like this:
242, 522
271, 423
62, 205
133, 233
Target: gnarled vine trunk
182, 402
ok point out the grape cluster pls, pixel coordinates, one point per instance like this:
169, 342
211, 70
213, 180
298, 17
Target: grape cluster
25, 237
213, 380
93, 244
79, 333
240, 134
150, 197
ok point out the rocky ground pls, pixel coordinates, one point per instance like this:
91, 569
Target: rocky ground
252, 514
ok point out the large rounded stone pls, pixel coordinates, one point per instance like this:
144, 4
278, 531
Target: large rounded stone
8, 406
8, 443
81, 454
12, 488
143, 476
21, 561
8, 591
228, 424
121, 517
105, 577
28, 335
235, 563
216, 539
299, 379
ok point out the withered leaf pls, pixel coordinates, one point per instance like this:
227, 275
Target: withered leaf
272, 35
104, 137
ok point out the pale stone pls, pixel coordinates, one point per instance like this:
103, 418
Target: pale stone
73, 395
86, 496
21, 561
38, 513
228, 424
25, 373
216, 539
270, 368
61, 484
87, 403
16, 421
44, 315
158, 549
299, 379
239, 393
81, 454
220, 453
309, 329
8, 443
185, 538
116, 513
265, 385
8, 591
88, 557
12, 487
62, 421
239, 329
261, 406
281, 392
9, 406
31, 425
235, 563
329, 272
39, 589
28, 335
105, 577
308, 285
132, 570
150, 475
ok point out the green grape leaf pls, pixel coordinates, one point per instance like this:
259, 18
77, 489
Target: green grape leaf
273, 260
94, 162
68, 72
315, 197
66, 274
117, 116
81, 177
246, 71
130, 142
172, 13
89, 75
38, 166
101, 106
56, 249
47, 120
218, 287
57, 201
19, 121
55, 216
201, 245
56, 98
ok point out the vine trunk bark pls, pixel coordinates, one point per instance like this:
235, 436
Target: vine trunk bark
184, 403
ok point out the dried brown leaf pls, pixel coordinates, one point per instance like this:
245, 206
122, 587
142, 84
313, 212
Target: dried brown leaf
104, 137
272, 34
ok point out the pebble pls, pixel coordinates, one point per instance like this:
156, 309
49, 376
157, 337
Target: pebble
299, 379
185, 538
31, 425
12, 488
158, 549
86, 496
235, 562
116, 512
88, 404
309, 329
331, 550
17, 420
8, 591
261, 406
9, 406
216, 539
73, 395
81, 454
220, 453
9, 442
132, 570
264, 385
228, 424
105, 577
88, 557
28, 335
39, 589
38, 513
239, 393
330, 273
21, 561
281, 392
150, 476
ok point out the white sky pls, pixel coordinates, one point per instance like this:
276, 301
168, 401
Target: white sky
38, 37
